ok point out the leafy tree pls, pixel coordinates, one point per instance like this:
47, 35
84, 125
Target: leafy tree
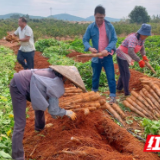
155, 19
139, 15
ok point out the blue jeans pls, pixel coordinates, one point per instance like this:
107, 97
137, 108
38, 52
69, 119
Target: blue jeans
28, 56
107, 63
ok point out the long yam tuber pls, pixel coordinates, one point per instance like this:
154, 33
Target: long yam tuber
118, 109
133, 109
81, 98
140, 108
150, 67
93, 55
153, 108
142, 105
149, 89
83, 109
156, 89
112, 111
141, 99
153, 100
69, 94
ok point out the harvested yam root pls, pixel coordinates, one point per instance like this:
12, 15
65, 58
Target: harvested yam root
80, 98
132, 108
83, 109
150, 67
11, 38
90, 101
145, 108
141, 99
70, 94
93, 55
86, 111
73, 90
146, 103
85, 105
102, 101
112, 111
140, 108
118, 109
150, 90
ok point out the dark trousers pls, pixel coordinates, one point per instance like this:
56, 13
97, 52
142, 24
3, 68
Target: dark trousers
107, 63
28, 56
123, 81
19, 111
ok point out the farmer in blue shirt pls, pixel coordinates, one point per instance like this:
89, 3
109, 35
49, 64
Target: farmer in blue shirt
103, 36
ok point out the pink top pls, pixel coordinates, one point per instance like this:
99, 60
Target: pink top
103, 40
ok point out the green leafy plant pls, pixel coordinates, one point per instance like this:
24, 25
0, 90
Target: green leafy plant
151, 127
7, 64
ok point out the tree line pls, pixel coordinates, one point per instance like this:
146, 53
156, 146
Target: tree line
58, 28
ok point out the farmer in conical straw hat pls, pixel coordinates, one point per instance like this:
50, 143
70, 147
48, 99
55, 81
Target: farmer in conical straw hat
42, 87
126, 55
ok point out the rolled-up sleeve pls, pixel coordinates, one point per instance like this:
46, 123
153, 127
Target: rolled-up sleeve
86, 39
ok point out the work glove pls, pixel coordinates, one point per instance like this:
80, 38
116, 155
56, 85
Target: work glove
141, 63
71, 114
145, 58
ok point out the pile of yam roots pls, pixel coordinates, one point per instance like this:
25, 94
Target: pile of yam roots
76, 100
11, 38
146, 103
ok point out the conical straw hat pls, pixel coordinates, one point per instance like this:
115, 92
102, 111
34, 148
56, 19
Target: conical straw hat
71, 73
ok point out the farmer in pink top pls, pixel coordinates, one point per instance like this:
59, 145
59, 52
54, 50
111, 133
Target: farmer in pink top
103, 36
126, 55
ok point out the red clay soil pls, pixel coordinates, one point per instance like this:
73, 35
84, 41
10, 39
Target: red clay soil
98, 137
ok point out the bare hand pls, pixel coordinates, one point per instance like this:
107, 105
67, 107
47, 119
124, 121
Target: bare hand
105, 53
93, 50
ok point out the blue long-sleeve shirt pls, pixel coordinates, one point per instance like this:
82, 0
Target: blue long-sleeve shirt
92, 33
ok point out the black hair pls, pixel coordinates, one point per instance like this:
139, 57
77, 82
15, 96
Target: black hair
99, 9
58, 74
138, 36
23, 19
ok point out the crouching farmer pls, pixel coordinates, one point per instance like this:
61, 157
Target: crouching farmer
43, 87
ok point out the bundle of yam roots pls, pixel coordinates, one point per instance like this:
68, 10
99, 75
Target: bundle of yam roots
146, 103
11, 38
76, 100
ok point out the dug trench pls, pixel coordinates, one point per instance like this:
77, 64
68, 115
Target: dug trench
92, 137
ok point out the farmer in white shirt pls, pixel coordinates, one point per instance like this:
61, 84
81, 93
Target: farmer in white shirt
27, 48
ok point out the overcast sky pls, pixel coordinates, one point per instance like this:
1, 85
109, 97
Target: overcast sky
81, 8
